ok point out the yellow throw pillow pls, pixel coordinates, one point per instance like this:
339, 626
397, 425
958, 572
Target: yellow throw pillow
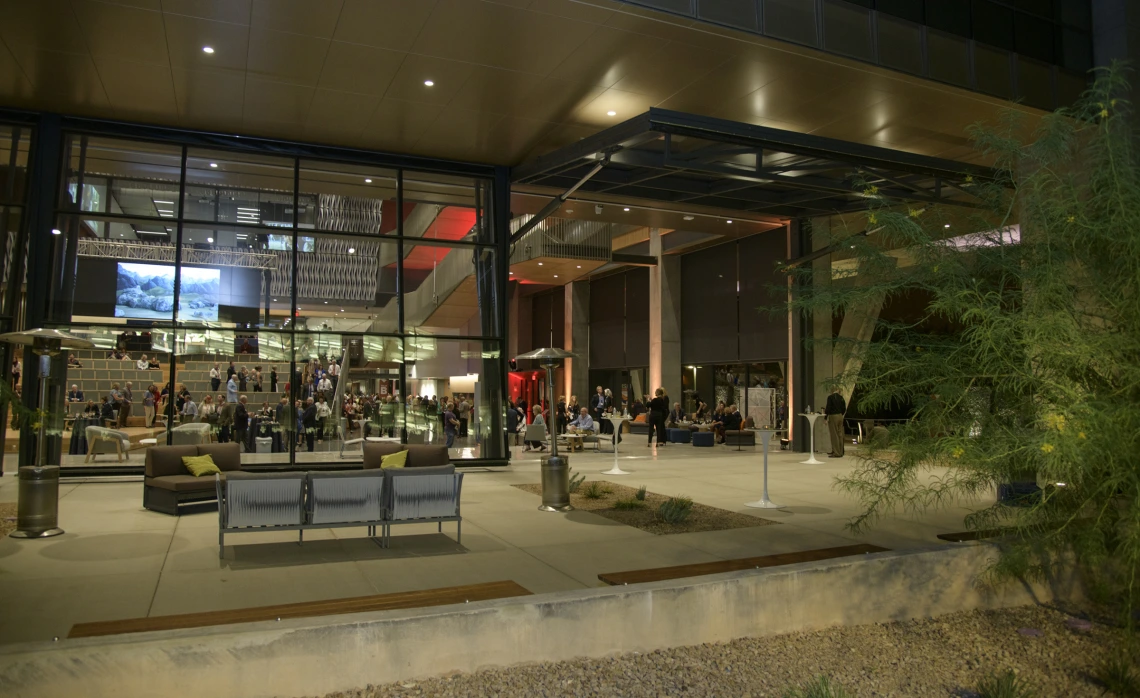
394, 460
200, 465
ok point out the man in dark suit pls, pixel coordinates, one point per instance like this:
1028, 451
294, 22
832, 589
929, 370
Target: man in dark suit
309, 422
730, 422
241, 423
75, 394
835, 409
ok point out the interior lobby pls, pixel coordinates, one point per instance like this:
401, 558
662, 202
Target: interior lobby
377, 205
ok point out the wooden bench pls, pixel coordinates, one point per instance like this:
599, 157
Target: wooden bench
308, 609
969, 535
658, 574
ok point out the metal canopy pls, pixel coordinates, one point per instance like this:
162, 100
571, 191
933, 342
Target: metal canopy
685, 159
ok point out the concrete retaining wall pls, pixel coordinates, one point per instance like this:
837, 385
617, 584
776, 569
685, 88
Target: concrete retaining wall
317, 656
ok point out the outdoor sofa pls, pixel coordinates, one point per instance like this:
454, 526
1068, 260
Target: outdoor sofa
168, 485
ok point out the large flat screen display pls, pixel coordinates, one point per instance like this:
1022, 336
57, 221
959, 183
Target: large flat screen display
147, 291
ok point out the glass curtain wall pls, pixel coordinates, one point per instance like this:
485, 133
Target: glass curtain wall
759, 390
15, 142
328, 302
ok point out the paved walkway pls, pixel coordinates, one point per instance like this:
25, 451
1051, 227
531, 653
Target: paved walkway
118, 560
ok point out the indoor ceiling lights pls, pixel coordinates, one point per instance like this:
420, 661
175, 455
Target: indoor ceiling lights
368, 181
55, 231
689, 218
626, 208
579, 266
429, 83
556, 276
209, 239
213, 164
540, 264
611, 113
946, 226
729, 222
207, 49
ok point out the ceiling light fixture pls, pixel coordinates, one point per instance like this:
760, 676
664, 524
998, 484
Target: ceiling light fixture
213, 164
689, 218
209, 239
429, 83
579, 266
946, 226
207, 49
368, 181
626, 208
326, 302
540, 264
611, 113
556, 276
512, 273
157, 202
55, 231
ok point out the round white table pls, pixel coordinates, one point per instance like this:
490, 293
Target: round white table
764, 502
617, 422
811, 417
149, 442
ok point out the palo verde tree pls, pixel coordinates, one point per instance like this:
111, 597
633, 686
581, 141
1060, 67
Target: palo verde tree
1025, 363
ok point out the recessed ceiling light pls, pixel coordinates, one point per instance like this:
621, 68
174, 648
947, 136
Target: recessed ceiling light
729, 222
55, 231
214, 164
326, 302
207, 49
946, 226
368, 181
429, 83
569, 210
342, 310
512, 273
209, 239
688, 218
352, 250
579, 266
611, 113
626, 208
540, 264
556, 276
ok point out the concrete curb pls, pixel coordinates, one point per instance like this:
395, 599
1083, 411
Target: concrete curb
315, 656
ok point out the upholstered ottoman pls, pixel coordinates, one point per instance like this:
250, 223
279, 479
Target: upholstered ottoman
704, 438
679, 436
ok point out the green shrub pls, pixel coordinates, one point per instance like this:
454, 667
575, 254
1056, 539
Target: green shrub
819, 687
640, 494
593, 490
576, 480
1007, 685
1115, 674
675, 510
629, 504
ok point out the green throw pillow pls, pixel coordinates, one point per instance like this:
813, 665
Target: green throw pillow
395, 460
200, 465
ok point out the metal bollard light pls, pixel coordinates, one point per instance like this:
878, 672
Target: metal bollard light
37, 514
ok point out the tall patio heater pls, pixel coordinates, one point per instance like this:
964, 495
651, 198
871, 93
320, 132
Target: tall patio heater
555, 468
37, 512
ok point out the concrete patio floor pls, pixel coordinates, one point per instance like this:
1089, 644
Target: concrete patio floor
118, 560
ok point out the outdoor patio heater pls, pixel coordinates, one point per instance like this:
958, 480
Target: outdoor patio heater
555, 468
37, 512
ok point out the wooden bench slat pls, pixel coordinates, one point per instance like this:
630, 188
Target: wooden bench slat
657, 574
969, 535
358, 604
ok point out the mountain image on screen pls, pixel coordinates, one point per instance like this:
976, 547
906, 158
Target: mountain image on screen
147, 291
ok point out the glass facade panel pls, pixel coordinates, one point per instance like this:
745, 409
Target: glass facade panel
792, 20
259, 282
948, 58
847, 30
994, 71
900, 44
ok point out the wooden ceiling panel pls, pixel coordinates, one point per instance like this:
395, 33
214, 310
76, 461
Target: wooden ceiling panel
392, 24
572, 9
553, 271
495, 90
186, 36
359, 68
43, 24
669, 69
500, 36
233, 11
209, 95
282, 57
730, 81
118, 31
13, 83
317, 18
624, 105
62, 74
606, 57
448, 78
339, 115
398, 125
457, 131
138, 90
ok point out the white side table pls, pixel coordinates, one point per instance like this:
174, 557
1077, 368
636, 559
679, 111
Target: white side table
811, 417
764, 502
149, 442
617, 422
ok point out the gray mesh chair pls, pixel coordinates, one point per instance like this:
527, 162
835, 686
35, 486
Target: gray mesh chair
253, 501
347, 498
422, 495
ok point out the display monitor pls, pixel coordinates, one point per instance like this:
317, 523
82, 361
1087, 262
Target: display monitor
147, 291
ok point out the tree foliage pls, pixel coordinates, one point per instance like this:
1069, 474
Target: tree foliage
1025, 362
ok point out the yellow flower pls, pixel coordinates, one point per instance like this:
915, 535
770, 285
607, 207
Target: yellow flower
969, 179
1071, 219
872, 219
915, 212
1055, 421
1104, 113
957, 451
1047, 448
871, 190
1081, 435
918, 348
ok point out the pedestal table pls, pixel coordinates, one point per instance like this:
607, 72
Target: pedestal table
617, 422
764, 502
811, 417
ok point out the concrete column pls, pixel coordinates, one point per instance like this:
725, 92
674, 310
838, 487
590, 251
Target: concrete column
577, 339
857, 329
664, 320
821, 322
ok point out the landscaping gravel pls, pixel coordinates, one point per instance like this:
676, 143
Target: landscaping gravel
946, 656
7, 518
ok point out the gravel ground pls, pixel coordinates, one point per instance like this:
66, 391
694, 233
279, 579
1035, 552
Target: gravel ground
703, 518
7, 518
947, 656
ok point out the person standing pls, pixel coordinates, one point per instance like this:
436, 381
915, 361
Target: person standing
309, 423
257, 379
231, 389
241, 423
464, 413
125, 405
333, 372
450, 424
325, 388
243, 380
273, 379
189, 410
230, 371
658, 408
148, 406
324, 410
835, 409
215, 379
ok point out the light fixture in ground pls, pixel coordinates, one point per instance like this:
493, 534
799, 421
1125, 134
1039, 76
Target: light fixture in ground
626, 208
729, 222
689, 218
207, 49
213, 164
540, 264
368, 181
946, 226
429, 83
611, 113
579, 266
55, 231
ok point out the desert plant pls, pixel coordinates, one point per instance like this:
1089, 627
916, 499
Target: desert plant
629, 504
593, 490
1007, 685
640, 496
1116, 675
576, 480
1025, 363
675, 510
819, 687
